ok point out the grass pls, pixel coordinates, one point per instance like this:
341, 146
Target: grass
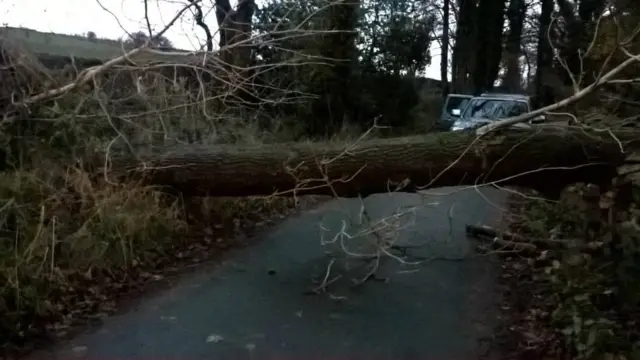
63, 235
62, 44
50, 46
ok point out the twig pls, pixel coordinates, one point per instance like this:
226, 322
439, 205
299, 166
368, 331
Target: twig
516, 242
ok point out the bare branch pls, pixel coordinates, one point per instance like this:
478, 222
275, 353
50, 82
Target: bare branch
605, 79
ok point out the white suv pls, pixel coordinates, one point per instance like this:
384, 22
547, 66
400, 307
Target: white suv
488, 107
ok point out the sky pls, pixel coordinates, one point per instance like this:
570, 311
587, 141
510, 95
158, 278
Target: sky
114, 18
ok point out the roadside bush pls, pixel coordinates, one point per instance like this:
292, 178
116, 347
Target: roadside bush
585, 282
64, 236
71, 241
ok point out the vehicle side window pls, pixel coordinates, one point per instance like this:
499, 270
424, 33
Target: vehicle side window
495, 108
456, 103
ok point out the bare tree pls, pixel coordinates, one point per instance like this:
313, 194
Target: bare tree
140, 38
92, 36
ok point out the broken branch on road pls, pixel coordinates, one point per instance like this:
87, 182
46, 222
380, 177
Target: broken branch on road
509, 241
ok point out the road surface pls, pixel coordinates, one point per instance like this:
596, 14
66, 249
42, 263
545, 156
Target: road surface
256, 303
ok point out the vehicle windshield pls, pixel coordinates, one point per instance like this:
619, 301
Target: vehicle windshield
456, 102
494, 108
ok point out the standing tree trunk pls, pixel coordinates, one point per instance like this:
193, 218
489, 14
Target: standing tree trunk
236, 30
444, 57
579, 32
515, 15
544, 93
223, 9
241, 32
235, 55
464, 49
341, 48
488, 37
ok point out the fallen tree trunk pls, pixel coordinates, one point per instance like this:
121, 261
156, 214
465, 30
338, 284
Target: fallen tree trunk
543, 159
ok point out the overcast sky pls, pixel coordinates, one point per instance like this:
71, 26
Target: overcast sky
80, 16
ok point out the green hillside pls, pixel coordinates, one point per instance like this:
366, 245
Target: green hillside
62, 45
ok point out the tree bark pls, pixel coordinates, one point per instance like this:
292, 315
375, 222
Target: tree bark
488, 41
544, 94
516, 157
579, 31
464, 47
342, 17
444, 57
515, 14
223, 8
236, 29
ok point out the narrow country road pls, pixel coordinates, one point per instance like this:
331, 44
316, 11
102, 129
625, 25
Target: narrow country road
256, 304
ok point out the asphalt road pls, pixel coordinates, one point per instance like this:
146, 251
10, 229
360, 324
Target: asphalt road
256, 305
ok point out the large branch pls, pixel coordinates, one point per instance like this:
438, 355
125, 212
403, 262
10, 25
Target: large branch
606, 78
546, 160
